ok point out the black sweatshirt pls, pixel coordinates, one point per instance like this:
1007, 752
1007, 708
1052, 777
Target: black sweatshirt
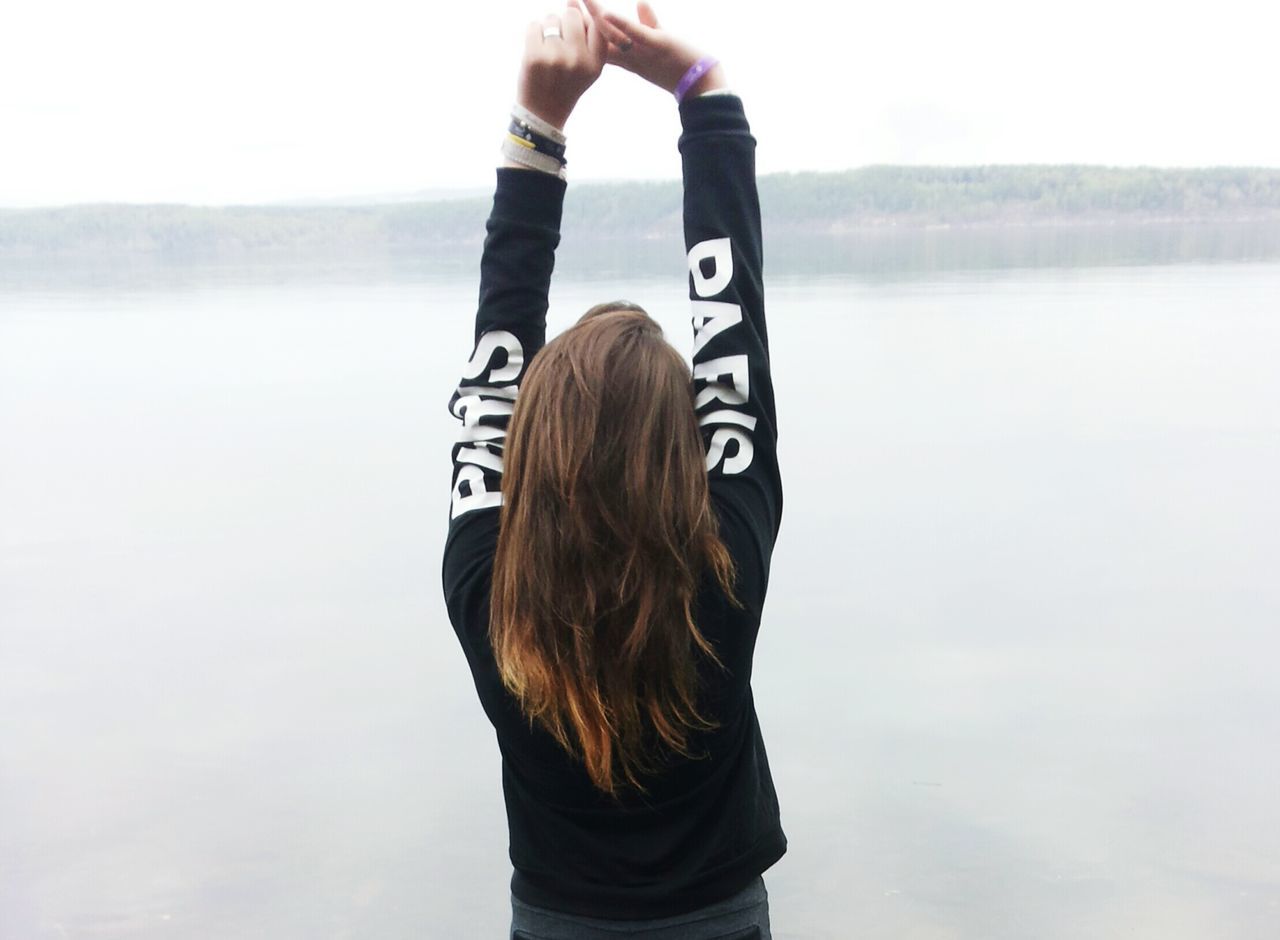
707, 827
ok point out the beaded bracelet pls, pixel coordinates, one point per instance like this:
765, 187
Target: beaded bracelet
534, 143
526, 136
545, 128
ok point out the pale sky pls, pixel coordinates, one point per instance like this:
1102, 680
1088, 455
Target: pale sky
233, 102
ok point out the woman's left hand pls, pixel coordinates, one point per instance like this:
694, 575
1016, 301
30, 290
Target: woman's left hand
563, 56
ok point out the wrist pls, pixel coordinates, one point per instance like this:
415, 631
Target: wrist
714, 80
533, 143
556, 116
703, 75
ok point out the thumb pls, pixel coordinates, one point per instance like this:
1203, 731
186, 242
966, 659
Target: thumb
645, 12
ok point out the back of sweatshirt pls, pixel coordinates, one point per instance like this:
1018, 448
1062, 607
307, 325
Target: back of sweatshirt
708, 826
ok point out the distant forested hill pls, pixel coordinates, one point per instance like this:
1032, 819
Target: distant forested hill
810, 203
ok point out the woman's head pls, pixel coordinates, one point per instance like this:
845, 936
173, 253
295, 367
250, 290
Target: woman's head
606, 530
604, 427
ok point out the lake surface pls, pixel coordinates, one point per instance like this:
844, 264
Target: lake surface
1017, 673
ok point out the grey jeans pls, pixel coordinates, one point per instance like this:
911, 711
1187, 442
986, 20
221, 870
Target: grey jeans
745, 916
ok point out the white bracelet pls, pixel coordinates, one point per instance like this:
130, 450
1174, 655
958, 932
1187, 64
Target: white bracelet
544, 128
531, 158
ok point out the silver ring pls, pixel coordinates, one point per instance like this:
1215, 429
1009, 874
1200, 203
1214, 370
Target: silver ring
625, 46
549, 31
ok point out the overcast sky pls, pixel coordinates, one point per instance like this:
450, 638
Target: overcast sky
265, 100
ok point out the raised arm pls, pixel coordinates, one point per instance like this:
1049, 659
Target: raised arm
730, 340
563, 56
726, 269
515, 273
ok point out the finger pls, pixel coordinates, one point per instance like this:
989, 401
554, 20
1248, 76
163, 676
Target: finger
595, 13
533, 39
575, 30
552, 29
596, 42
646, 14
636, 32
608, 29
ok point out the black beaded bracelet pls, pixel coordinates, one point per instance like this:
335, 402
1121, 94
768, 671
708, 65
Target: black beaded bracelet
535, 141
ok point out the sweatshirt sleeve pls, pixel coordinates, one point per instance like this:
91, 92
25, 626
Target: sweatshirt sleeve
734, 390
522, 234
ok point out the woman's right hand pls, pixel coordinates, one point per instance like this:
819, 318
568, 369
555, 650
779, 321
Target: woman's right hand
649, 51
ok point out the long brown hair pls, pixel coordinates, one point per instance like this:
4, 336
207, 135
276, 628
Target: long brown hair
606, 530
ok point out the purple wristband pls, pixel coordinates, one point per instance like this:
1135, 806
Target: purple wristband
696, 71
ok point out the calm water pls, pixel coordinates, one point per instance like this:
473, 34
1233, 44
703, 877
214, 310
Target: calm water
1017, 672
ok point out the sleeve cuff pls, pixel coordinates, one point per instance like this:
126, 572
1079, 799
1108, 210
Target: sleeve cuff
713, 113
529, 196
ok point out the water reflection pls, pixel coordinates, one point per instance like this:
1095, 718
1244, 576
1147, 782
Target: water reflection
887, 253
1016, 674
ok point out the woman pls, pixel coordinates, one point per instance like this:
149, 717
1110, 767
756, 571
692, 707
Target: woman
612, 523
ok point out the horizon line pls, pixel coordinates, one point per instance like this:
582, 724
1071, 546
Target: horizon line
455, 193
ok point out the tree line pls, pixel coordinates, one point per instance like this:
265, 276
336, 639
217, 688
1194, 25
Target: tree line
809, 203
